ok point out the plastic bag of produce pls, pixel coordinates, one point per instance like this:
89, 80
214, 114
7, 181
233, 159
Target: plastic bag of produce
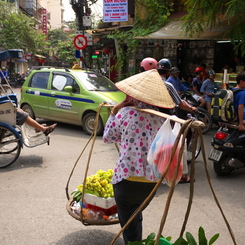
161, 151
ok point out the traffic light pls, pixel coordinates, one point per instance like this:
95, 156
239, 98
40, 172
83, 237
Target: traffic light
97, 54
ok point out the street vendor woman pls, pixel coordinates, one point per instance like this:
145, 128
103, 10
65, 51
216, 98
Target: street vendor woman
133, 178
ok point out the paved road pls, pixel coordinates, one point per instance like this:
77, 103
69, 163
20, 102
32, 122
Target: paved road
33, 198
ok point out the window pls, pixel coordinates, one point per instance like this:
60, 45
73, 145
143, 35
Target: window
60, 82
39, 80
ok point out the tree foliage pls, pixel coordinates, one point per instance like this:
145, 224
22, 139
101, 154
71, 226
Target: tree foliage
61, 45
17, 30
157, 16
207, 13
66, 51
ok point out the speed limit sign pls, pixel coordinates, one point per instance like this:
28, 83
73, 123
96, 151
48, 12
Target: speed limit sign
80, 41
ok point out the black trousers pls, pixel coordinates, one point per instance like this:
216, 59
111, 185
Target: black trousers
129, 195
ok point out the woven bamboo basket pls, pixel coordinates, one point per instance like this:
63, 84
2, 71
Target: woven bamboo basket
88, 221
81, 217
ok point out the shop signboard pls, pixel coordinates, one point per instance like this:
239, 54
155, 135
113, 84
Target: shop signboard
115, 10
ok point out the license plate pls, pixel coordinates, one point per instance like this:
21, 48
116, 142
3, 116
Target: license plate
215, 155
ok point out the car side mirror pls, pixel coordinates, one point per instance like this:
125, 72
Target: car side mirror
68, 89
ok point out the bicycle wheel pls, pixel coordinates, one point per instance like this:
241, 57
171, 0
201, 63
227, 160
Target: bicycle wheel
10, 146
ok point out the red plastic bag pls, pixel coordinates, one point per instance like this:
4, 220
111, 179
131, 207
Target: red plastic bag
161, 151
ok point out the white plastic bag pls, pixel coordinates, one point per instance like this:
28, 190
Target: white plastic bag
161, 150
176, 129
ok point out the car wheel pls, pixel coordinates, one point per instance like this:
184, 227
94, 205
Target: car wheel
88, 124
29, 110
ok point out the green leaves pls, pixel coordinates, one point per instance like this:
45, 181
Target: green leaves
17, 30
156, 16
190, 240
150, 240
207, 13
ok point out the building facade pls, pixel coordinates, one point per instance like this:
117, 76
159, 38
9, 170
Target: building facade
55, 11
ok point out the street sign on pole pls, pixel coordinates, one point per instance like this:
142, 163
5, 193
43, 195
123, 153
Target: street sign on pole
89, 38
80, 41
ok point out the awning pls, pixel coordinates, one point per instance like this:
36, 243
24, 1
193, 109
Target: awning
11, 53
40, 56
174, 30
106, 31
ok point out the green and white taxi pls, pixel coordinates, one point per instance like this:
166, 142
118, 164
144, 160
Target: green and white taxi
68, 96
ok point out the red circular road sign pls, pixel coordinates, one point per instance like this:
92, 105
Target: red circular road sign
80, 41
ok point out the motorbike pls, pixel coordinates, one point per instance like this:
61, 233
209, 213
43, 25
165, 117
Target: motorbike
201, 115
17, 80
228, 149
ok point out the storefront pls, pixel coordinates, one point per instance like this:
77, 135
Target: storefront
211, 47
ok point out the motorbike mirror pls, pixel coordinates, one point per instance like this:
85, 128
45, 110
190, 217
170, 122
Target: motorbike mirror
215, 90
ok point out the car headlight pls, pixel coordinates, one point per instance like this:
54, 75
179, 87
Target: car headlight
110, 102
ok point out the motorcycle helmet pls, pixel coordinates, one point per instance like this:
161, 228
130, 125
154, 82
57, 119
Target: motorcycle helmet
148, 64
174, 70
164, 64
199, 69
211, 73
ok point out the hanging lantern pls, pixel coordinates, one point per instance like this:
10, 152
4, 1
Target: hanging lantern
106, 50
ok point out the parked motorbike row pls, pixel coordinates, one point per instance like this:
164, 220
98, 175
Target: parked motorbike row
17, 80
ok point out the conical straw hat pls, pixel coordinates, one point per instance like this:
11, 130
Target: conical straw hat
147, 87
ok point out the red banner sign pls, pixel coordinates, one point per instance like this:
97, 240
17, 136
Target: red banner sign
44, 20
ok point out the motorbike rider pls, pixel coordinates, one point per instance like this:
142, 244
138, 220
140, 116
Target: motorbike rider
174, 79
197, 83
239, 100
148, 64
207, 89
164, 69
205, 74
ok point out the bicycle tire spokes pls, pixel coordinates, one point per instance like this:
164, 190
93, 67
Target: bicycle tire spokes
10, 146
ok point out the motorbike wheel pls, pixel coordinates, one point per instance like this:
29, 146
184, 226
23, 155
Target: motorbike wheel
221, 167
203, 116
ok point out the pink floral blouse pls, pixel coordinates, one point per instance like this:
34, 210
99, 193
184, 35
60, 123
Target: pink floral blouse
134, 131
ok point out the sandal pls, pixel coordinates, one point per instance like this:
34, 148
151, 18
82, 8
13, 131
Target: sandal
49, 129
185, 179
38, 131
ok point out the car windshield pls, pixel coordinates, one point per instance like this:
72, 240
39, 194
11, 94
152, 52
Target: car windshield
96, 82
